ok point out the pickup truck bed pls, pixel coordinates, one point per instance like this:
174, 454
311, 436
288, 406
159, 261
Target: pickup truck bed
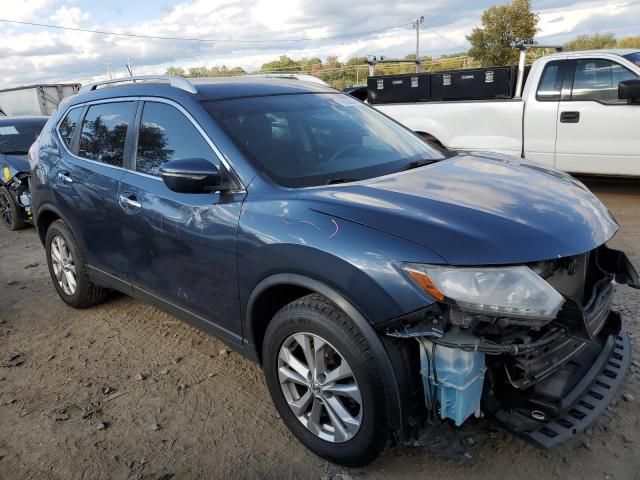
569, 116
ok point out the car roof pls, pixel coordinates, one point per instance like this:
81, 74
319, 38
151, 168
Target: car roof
225, 88
621, 52
23, 120
202, 89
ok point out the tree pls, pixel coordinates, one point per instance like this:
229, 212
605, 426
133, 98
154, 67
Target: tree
629, 42
176, 72
592, 42
198, 72
503, 27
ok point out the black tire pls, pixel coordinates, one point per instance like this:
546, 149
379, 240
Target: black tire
315, 315
11, 213
87, 293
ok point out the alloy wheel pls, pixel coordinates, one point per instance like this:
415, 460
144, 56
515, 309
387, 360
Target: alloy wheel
64, 267
5, 209
320, 387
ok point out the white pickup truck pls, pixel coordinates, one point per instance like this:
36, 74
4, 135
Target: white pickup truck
570, 114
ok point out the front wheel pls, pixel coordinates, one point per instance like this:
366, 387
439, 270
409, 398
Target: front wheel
325, 382
10, 211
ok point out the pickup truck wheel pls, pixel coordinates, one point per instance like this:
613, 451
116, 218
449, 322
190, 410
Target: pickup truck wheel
325, 382
10, 211
68, 269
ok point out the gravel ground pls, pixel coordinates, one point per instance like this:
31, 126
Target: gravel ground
124, 391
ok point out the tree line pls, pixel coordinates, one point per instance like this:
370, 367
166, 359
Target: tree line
493, 43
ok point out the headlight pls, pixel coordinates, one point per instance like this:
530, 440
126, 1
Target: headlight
498, 291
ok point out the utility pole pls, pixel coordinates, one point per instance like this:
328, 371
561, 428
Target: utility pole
108, 65
416, 24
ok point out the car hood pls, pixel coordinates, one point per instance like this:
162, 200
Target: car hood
476, 210
16, 163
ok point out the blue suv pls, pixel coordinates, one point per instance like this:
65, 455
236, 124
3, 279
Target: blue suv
387, 288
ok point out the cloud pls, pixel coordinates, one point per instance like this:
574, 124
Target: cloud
25, 9
69, 17
32, 55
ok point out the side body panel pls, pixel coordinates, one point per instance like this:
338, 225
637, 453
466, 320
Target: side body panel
182, 248
481, 125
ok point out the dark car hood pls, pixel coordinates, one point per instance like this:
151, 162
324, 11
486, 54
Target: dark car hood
16, 163
476, 210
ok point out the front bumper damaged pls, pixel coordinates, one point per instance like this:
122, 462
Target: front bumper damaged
550, 381
590, 398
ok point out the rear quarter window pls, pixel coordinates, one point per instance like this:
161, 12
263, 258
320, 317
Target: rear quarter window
68, 125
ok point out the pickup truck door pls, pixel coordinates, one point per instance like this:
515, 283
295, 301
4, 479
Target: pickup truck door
597, 133
541, 112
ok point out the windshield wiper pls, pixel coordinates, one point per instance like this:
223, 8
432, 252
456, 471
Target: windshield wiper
335, 181
419, 163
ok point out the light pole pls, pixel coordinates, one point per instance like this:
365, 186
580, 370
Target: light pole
416, 24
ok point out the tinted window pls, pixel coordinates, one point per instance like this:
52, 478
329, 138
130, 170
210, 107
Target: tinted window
634, 57
68, 125
104, 131
16, 138
550, 86
312, 139
598, 80
166, 134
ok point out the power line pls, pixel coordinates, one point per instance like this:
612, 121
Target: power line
195, 39
445, 38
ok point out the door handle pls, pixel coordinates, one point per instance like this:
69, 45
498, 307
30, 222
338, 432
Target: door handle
65, 177
130, 202
570, 117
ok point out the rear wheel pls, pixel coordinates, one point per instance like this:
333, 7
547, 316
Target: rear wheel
68, 268
10, 211
325, 382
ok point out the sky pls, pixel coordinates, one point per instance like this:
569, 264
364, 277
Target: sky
248, 33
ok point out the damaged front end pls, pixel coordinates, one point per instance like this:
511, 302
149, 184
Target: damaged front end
17, 183
541, 351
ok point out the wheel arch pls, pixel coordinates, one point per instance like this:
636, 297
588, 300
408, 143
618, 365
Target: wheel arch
47, 214
300, 285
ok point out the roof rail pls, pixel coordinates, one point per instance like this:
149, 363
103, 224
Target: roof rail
531, 46
291, 75
177, 82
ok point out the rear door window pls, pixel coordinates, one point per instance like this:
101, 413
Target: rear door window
598, 80
68, 125
550, 86
104, 131
166, 134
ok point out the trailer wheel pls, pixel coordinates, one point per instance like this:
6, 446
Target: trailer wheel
10, 211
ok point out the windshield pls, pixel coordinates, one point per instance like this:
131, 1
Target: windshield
17, 138
634, 57
314, 139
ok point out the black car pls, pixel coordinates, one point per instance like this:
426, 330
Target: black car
16, 136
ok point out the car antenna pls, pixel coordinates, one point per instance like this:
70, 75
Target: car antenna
129, 69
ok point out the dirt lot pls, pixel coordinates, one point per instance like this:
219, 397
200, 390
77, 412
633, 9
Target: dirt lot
124, 391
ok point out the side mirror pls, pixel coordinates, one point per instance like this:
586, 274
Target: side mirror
191, 175
629, 90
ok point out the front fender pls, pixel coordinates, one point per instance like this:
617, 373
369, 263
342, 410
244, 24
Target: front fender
361, 263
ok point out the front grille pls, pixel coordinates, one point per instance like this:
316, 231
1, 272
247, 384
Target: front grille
588, 291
